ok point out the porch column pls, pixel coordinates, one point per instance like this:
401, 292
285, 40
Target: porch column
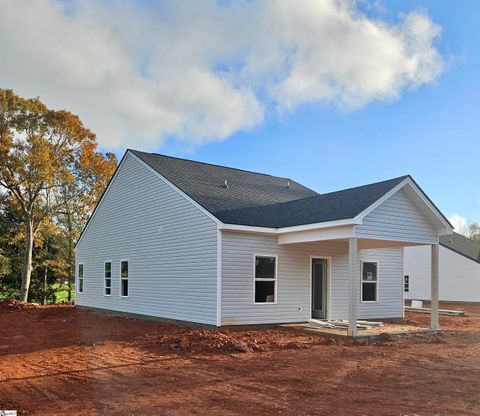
353, 285
435, 324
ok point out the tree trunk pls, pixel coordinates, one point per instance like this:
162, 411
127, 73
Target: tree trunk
45, 286
27, 261
70, 256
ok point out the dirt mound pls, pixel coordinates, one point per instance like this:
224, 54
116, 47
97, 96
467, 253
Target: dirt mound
12, 305
204, 340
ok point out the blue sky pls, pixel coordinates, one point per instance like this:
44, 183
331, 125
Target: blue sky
432, 133
332, 93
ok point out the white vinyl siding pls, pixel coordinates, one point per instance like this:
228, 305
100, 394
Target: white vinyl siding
170, 244
397, 219
459, 276
293, 280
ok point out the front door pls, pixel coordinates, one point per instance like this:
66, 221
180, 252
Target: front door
319, 288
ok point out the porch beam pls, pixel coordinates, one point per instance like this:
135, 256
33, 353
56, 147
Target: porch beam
353, 286
435, 323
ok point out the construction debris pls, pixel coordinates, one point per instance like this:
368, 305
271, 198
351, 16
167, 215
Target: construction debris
340, 324
448, 312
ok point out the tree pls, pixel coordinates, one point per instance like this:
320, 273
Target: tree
11, 243
474, 231
42, 153
79, 198
471, 230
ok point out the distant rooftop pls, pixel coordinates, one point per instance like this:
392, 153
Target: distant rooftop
462, 245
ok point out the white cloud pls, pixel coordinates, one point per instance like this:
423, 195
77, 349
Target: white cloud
203, 70
459, 223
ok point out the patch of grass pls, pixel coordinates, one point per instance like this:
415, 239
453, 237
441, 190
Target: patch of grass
61, 292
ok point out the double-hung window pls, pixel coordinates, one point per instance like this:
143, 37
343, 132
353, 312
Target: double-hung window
107, 274
80, 278
265, 279
369, 281
124, 278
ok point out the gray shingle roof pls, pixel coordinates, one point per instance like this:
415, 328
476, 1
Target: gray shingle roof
262, 200
462, 245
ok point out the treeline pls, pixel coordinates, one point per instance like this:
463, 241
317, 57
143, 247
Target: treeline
51, 176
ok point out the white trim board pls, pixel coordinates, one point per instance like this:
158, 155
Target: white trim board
219, 275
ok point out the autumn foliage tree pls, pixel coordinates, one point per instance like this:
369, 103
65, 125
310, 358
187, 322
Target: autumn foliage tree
49, 166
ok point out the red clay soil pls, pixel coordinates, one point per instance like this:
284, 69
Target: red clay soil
61, 360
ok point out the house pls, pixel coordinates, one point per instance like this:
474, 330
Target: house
459, 270
196, 242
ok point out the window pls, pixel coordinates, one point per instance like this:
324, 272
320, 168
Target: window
406, 283
265, 279
80, 278
369, 281
124, 278
108, 278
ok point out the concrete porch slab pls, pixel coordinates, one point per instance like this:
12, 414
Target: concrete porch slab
374, 332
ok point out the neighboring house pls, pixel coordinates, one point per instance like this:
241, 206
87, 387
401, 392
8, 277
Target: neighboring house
459, 268
192, 241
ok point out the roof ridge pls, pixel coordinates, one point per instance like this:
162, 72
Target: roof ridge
212, 164
361, 186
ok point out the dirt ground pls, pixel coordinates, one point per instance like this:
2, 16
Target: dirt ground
60, 360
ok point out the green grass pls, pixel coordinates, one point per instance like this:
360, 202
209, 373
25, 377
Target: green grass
61, 292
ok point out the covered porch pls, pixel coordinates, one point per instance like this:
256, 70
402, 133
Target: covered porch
358, 255
371, 278
405, 216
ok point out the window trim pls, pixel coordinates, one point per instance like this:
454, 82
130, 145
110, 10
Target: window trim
263, 279
78, 279
104, 278
377, 283
406, 283
120, 276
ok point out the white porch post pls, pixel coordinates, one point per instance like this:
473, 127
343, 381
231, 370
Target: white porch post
435, 324
353, 286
